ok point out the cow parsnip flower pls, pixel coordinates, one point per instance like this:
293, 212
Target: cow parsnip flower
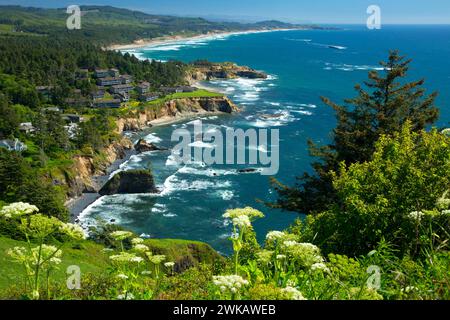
121, 235
293, 293
157, 259
275, 235
136, 241
248, 211
126, 257
231, 283
40, 226
320, 266
122, 276
242, 221
141, 248
264, 256
169, 264
74, 231
416, 215
18, 209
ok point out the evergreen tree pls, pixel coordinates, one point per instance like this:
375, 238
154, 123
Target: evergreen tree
382, 108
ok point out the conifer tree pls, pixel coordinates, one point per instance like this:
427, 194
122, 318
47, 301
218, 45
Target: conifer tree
382, 106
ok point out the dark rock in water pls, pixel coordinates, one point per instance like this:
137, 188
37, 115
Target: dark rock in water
144, 146
112, 220
132, 181
247, 170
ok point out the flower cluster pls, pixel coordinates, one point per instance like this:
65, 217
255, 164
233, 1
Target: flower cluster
74, 231
125, 257
157, 259
249, 212
293, 293
416, 215
320, 266
306, 254
121, 235
242, 221
230, 283
264, 256
18, 209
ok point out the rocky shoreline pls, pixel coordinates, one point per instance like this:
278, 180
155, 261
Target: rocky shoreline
89, 180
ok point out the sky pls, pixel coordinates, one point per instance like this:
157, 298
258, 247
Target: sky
298, 11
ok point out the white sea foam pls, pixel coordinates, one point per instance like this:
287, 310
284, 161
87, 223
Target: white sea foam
152, 138
351, 67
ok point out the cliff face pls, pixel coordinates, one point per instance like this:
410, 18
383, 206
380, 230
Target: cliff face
79, 177
177, 108
209, 71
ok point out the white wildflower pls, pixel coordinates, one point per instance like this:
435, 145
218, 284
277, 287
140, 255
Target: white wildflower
242, 221
320, 266
248, 211
169, 264
231, 283
72, 230
122, 276
125, 296
121, 235
293, 293
157, 259
125, 257
275, 235
141, 248
18, 209
136, 241
416, 215
281, 256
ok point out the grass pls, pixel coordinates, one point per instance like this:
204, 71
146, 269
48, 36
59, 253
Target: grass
91, 258
88, 256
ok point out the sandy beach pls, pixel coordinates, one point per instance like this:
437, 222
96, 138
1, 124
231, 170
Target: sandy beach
176, 38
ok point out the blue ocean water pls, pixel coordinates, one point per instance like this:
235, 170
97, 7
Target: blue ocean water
302, 67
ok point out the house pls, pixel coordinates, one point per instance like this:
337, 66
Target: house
79, 102
114, 72
120, 88
73, 118
101, 73
122, 96
99, 94
143, 87
112, 103
126, 78
187, 89
27, 127
179, 89
169, 90
13, 145
109, 81
147, 97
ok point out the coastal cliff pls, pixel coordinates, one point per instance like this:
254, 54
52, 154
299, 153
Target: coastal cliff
78, 178
174, 110
205, 71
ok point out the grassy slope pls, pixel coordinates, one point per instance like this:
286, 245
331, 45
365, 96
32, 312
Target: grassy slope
91, 258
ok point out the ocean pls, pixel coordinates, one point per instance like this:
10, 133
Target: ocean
302, 68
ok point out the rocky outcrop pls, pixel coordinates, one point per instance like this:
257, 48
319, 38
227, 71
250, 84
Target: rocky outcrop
204, 71
79, 177
176, 109
131, 181
144, 146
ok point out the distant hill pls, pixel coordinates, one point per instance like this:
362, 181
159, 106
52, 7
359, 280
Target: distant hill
105, 24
